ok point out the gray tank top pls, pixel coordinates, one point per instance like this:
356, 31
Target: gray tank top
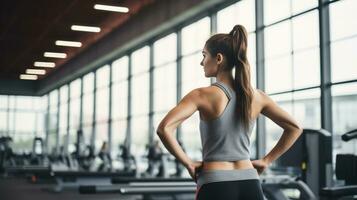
224, 138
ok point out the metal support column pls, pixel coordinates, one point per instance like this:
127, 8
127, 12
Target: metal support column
325, 70
127, 142
110, 113
179, 78
151, 127
57, 121
259, 21
94, 124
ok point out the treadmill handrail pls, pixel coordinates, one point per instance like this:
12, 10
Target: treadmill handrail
126, 189
121, 180
89, 174
339, 191
349, 135
305, 191
157, 190
161, 184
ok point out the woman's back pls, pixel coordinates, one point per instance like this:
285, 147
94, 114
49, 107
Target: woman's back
224, 138
215, 101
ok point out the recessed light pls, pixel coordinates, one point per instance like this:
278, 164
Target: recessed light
68, 43
44, 64
36, 71
28, 77
54, 55
111, 8
85, 28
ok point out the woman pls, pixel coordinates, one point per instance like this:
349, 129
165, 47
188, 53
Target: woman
228, 110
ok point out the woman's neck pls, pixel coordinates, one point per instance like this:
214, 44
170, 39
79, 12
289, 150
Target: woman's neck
226, 77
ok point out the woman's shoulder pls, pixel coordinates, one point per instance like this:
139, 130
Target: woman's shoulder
212, 92
260, 97
204, 95
203, 91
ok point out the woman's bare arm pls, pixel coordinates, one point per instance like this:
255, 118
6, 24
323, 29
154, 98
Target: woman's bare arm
185, 108
292, 130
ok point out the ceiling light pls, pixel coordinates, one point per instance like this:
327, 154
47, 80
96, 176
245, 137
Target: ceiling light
36, 71
54, 55
111, 8
45, 64
85, 28
68, 43
28, 77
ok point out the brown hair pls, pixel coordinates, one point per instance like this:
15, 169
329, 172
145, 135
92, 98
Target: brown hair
233, 46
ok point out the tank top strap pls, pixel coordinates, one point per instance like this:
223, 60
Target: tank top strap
225, 89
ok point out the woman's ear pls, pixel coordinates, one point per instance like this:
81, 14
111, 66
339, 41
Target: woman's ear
219, 58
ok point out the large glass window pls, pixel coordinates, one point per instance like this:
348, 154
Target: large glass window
74, 115
3, 122
296, 56
102, 105
3, 115
275, 10
165, 83
41, 104
27, 120
278, 34
275, 83
278, 58
241, 12
29, 112
306, 56
119, 102
63, 117
343, 13
343, 60
53, 120
11, 121
88, 98
4, 102
195, 35
343, 40
24, 112
140, 100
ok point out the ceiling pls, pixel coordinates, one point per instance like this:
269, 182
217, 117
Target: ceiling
30, 28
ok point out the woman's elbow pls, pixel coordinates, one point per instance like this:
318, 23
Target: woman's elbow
295, 128
298, 129
161, 129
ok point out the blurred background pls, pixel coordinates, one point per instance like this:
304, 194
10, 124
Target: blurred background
117, 82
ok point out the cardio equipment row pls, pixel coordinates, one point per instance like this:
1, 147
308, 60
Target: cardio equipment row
301, 169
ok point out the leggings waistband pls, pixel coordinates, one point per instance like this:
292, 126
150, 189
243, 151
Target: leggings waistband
211, 176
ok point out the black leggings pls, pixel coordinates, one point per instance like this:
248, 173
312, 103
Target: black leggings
231, 190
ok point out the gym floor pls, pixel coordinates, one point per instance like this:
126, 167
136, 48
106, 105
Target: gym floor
21, 189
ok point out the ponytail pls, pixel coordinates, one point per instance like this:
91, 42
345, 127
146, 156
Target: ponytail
242, 83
